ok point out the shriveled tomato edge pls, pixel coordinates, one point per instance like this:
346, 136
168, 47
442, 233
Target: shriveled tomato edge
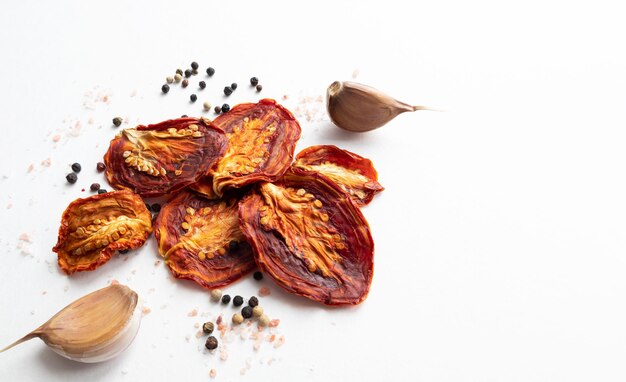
203, 283
243, 108
117, 184
106, 253
262, 265
313, 155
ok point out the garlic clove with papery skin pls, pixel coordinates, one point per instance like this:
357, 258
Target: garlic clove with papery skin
357, 107
94, 328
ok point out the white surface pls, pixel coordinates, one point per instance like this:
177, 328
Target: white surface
499, 238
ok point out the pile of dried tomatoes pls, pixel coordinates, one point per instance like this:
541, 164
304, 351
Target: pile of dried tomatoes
237, 201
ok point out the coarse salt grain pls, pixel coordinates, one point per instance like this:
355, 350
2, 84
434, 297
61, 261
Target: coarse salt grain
212, 373
279, 342
145, 310
193, 313
274, 323
264, 291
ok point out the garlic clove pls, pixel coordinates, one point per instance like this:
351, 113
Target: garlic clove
357, 107
94, 328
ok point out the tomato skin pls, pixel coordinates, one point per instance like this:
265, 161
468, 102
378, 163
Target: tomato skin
189, 224
159, 159
355, 174
94, 228
315, 243
262, 139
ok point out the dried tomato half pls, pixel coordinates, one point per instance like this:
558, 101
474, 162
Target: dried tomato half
353, 173
310, 238
158, 159
93, 228
261, 142
200, 240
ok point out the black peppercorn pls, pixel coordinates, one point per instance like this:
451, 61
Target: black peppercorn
188, 73
208, 327
179, 71
225, 299
71, 177
148, 207
210, 71
254, 81
117, 121
165, 88
123, 251
258, 275
194, 72
202, 84
156, 207
184, 116
246, 312
94, 186
217, 109
100, 167
194, 65
228, 91
76, 167
225, 108
253, 301
185, 83
211, 343
238, 301
193, 98
102, 191
259, 87
233, 86
233, 245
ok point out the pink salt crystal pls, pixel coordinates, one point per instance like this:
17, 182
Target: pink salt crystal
196, 325
46, 162
145, 310
56, 138
212, 373
25, 238
193, 313
114, 282
199, 334
271, 338
274, 323
264, 291
31, 167
223, 355
280, 342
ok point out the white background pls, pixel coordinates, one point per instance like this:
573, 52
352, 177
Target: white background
499, 238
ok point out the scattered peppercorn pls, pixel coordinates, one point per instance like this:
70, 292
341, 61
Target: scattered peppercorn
217, 109
233, 86
194, 72
194, 65
193, 98
188, 73
102, 191
208, 327
101, 167
169, 79
257, 311
117, 121
225, 299
165, 88
225, 108
210, 71
123, 251
179, 71
202, 84
185, 83
253, 301
94, 186
156, 207
233, 245
259, 87
206, 105
71, 177
211, 343
264, 320
76, 167
237, 318
238, 301
216, 294
254, 81
148, 207
228, 90
184, 116
258, 275
246, 312
178, 77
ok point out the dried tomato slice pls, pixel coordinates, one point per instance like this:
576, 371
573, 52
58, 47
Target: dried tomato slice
310, 238
93, 228
200, 240
158, 159
261, 142
204, 187
353, 173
